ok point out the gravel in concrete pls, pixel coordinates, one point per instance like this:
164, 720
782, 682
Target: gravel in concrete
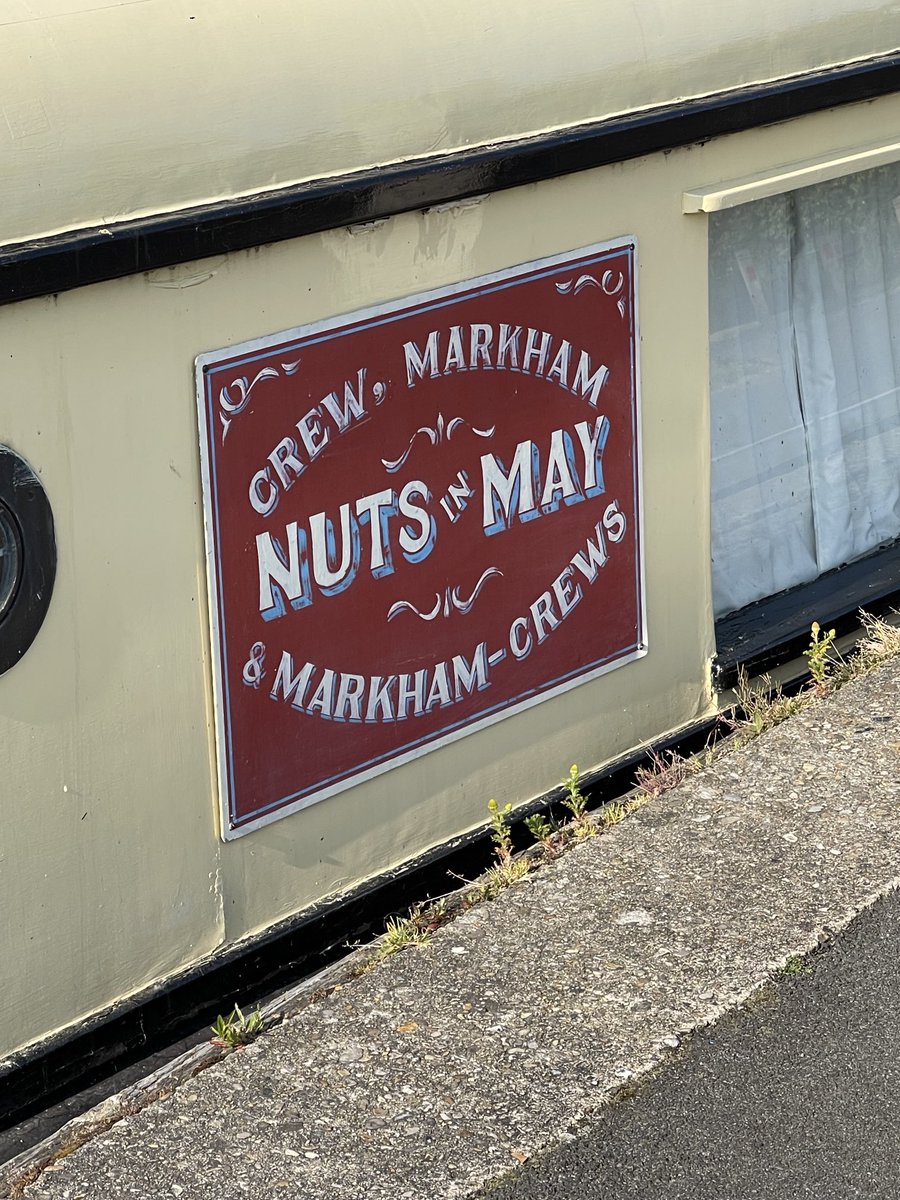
438, 1071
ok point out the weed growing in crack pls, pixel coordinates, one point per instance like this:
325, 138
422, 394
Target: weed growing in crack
543, 832
617, 810
819, 656
236, 1029
508, 869
760, 707
504, 875
881, 642
501, 834
797, 964
762, 704
400, 933
665, 770
573, 800
705, 757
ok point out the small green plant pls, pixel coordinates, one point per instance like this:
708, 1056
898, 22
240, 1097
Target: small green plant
585, 829
617, 810
399, 933
501, 834
819, 656
761, 707
402, 932
508, 869
236, 1029
504, 875
703, 758
797, 965
573, 800
541, 830
881, 642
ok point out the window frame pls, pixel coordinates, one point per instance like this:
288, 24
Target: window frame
774, 631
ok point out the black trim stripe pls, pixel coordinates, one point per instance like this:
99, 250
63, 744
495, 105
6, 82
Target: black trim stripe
49, 265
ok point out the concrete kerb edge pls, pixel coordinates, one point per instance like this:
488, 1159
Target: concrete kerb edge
23, 1170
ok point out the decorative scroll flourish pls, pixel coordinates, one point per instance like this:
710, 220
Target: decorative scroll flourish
574, 286
435, 436
234, 398
610, 283
399, 605
451, 601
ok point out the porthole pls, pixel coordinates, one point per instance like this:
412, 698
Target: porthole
27, 557
10, 560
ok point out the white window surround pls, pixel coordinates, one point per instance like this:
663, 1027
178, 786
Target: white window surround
788, 177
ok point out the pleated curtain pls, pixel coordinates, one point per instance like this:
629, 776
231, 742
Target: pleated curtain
804, 371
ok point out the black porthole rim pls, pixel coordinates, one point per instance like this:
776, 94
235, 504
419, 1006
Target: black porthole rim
23, 496
7, 605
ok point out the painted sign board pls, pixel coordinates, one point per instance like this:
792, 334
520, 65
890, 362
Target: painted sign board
421, 518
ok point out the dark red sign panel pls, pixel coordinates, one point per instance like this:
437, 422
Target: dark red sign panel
420, 519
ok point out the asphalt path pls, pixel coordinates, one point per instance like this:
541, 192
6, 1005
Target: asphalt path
795, 1095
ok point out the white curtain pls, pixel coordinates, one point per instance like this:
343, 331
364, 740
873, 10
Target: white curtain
804, 375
